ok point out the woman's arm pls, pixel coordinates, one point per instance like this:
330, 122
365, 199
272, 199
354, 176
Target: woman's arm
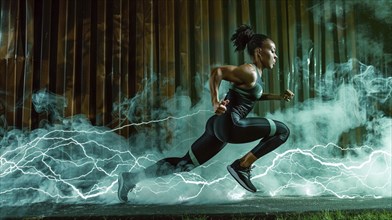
269, 96
239, 75
286, 95
215, 81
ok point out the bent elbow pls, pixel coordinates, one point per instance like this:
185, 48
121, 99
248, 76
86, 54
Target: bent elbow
216, 72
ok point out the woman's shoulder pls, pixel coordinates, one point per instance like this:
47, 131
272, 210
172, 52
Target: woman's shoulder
248, 73
248, 69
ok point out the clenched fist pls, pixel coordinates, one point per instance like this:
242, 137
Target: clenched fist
287, 95
220, 108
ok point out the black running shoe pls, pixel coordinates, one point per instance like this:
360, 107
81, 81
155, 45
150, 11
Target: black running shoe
242, 175
125, 184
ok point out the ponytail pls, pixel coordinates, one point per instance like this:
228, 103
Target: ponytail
242, 36
245, 37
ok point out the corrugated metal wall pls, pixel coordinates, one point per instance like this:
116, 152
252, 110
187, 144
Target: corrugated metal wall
99, 52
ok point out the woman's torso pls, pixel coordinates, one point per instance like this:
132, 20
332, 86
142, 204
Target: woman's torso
242, 100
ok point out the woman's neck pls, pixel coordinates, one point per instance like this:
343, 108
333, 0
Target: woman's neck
259, 67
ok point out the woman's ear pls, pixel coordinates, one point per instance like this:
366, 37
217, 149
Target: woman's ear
257, 52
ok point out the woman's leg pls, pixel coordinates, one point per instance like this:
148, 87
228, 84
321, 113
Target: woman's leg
203, 149
266, 145
273, 134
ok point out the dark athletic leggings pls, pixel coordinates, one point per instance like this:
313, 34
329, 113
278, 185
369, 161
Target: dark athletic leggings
220, 130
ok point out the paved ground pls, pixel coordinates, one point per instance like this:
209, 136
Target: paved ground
257, 206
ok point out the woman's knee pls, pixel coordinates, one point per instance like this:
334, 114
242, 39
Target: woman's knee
283, 131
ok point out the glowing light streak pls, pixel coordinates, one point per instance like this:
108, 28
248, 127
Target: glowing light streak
344, 171
38, 158
25, 157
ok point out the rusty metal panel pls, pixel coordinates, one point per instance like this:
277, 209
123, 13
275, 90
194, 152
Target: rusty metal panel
97, 54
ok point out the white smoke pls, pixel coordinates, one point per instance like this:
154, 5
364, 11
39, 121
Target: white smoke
75, 162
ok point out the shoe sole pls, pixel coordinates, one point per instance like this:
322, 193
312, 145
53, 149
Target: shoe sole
120, 186
238, 179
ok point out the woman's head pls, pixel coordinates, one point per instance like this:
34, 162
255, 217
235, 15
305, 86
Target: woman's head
259, 46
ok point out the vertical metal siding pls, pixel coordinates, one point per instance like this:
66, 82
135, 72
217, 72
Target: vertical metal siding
96, 53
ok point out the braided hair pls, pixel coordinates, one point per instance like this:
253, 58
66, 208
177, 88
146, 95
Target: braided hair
245, 37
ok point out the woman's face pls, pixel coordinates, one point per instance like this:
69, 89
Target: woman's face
268, 55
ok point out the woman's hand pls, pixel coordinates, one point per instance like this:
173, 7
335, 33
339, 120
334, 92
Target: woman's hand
220, 107
287, 95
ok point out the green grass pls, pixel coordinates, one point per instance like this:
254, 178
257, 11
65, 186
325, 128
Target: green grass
324, 215
337, 215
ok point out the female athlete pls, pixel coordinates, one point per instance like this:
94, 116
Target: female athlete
230, 123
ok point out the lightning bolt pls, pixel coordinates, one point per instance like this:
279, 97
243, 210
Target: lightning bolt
300, 171
66, 164
74, 165
354, 175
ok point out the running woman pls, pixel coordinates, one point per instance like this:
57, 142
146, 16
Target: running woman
230, 123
